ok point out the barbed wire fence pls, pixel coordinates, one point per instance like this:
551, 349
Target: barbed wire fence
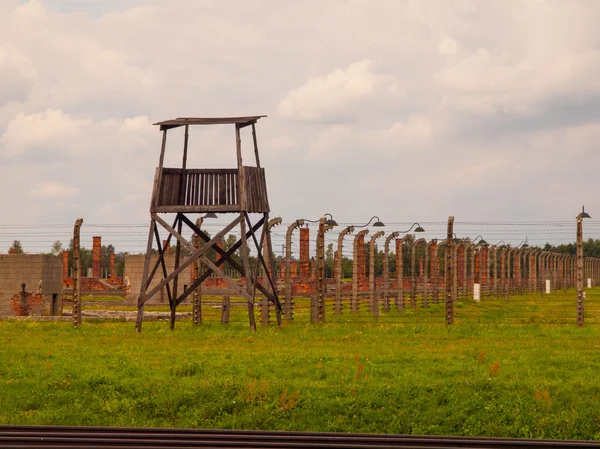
510, 304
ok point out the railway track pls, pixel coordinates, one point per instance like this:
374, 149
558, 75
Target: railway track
118, 437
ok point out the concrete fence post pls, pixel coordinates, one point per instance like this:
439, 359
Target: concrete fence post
449, 269
77, 273
386, 270
339, 273
288, 306
359, 240
372, 284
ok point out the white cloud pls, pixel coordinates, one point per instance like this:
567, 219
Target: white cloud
371, 99
335, 96
52, 190
51, 129
416, 130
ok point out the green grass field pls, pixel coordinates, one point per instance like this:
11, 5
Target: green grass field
517, 368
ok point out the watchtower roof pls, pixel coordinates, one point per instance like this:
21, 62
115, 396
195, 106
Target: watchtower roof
182, 121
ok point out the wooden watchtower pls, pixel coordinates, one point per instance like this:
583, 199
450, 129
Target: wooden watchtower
185, 191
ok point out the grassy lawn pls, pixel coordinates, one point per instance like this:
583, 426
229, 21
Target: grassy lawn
516, 368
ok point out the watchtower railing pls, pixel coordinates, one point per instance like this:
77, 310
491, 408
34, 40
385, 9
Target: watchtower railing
211, 190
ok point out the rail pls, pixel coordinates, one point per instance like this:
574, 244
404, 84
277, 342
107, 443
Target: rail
115, 437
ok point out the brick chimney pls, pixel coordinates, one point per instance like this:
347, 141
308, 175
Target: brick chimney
112, 265
65, 260
96, 256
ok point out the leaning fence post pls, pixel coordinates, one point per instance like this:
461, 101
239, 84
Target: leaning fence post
449, 268
77, 274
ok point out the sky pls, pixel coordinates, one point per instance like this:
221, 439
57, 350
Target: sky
412, 110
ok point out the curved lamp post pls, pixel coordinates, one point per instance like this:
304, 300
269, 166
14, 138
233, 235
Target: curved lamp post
287, 307
372, 270
413, 293
400, 264
357, 240
338, 272
386, 270
269, 266
377, 224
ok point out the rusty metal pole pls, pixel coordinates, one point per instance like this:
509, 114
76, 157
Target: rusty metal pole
386, 271
372, 284
77, 273
357, 240
449, 272
339, 269
288, 306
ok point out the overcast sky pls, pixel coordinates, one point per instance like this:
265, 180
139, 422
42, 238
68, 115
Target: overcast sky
412, 110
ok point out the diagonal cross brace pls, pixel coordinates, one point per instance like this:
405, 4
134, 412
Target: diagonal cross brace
225, 257
195, 254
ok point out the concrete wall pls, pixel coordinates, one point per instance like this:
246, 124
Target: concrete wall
134, 268
42, 276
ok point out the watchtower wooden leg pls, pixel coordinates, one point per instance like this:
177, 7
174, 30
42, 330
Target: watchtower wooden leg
140, 315
248, 273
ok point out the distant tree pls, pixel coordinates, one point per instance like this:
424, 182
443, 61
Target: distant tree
329, 261
16, 247
57, 248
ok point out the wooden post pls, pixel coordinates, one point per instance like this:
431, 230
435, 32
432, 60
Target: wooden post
77, 273
386, 271
197, 298
339, 270
372, 269
249, 278
355, 268
449, 268
225, 310
288, 305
